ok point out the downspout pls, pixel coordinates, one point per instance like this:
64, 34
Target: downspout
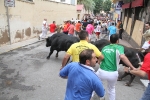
8, 24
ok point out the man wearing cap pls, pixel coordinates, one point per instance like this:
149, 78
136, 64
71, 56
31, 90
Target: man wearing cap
143, 71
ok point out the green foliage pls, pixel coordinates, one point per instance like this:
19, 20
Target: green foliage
107, 5
88, 4
98, 6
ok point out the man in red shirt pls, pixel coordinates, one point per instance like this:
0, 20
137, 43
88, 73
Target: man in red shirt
143, 71
78, 28
71, 29
52, 28
65, 28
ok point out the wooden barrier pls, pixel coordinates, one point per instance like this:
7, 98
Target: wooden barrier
125, 23
128, 28
137, 32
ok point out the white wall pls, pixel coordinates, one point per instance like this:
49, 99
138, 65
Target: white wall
73, 2
26, 18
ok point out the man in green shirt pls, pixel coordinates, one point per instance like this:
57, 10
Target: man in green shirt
108, 70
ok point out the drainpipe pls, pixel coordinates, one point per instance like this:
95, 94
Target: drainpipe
8, 24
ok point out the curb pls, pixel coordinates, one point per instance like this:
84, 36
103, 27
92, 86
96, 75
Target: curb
13, 48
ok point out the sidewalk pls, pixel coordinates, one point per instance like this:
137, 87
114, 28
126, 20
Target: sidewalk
13, 46
124, 42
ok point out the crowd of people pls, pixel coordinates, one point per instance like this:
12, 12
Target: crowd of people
82, 78
96, 27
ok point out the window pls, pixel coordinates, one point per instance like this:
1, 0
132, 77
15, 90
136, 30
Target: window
73, 2
62, 0
30, 0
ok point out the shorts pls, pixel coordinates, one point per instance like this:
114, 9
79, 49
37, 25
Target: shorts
97, 33
90, 36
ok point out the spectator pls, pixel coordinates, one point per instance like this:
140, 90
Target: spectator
77, 28
109, 65
52, 28
44, 29
76, 48
120, 30
146, 35
72, 20
104, 29
118, 26
82, 80
84, 24
108, 23
68, 23
143, 71
71, 29
59, 28
65, 28
90, 29
112, 30
98, 30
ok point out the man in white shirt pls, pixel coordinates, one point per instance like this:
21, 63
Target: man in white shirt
98, 31
44, 29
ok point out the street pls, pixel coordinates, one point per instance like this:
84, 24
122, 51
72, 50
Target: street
26, 74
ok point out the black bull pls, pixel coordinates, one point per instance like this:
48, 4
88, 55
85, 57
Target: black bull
61, 42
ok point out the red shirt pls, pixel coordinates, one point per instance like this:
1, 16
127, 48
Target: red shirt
68, 24
71, 29
52, 28
78, 27
146, 65
65, 28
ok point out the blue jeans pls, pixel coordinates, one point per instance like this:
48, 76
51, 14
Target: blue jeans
146, 95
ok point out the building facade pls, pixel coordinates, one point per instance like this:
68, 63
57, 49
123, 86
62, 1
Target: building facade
24, 20
134, 14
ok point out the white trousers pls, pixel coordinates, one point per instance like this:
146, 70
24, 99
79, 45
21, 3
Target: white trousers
90, 36
111, 78
44, 33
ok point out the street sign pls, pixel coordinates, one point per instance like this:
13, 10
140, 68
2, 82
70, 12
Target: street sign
9, 3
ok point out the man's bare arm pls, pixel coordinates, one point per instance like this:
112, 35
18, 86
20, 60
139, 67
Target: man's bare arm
126, 61
100, 58
65, 59
137, 72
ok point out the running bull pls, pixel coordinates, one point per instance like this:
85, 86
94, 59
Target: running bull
134, 55
60, 42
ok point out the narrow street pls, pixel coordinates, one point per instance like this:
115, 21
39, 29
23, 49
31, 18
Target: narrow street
26, 74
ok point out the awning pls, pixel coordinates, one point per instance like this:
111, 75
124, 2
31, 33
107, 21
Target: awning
79, 7
126, 5
137, 3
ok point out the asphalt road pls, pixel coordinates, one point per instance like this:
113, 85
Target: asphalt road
26, 74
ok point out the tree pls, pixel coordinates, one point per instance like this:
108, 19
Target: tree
107, 5
88, 4
98, 6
